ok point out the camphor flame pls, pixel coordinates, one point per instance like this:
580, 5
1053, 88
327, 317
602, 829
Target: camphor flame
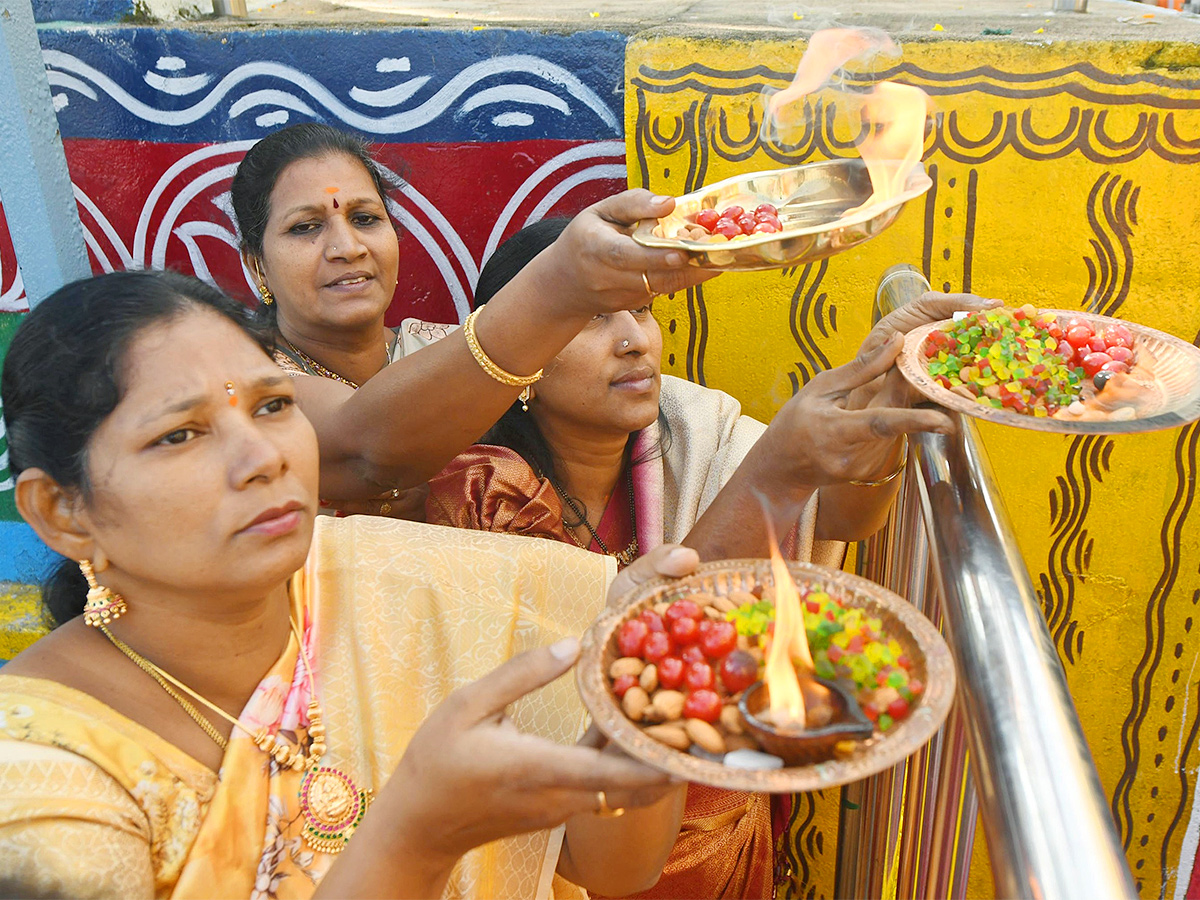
893, 114
895, 118
789, 647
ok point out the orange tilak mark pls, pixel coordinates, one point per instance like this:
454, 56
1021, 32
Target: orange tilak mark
232, 392
333, 190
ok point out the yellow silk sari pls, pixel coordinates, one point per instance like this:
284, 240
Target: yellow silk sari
396, 616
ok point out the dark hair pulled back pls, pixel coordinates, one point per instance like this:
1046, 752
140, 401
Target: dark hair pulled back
516, 429
64, 375
263, 163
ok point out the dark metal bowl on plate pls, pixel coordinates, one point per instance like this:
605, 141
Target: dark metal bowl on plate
812, 744
813, 201
1176, 374
921, 642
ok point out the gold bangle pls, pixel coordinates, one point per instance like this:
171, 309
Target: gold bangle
893, 474
485, 361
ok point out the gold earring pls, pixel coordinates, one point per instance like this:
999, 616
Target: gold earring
103, 606
524, 397
265, 292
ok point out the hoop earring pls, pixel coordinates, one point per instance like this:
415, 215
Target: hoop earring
103, 606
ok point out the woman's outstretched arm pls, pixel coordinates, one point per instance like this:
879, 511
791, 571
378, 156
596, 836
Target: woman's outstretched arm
407, 422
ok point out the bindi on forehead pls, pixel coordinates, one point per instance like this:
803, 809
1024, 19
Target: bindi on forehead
333, 190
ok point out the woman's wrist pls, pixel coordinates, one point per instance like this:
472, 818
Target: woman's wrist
899, 461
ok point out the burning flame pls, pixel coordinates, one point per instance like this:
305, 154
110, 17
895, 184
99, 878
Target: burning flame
789, 647
893, 114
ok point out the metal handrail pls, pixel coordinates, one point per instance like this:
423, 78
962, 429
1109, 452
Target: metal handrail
1049, 830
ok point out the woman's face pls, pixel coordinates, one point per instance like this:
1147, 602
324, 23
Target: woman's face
607, 379
204, 477
330, 254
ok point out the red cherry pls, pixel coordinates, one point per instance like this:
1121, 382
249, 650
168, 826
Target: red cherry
698, 676
658, 645
1054, 330
685, 630
765, 228
1078, 336
871, 711
670, 672
632, 636
765, 209
727, 227
1120, 354
915, 687
705, 625
719, 640
702, 704
653, 620
898, 708
683, 609
1119, 336
692, 654
739, 670
1115, 367
1094, 362
622, 684
904, 662
746, 223
732, 212
1097, 345
707, 218
1076, 322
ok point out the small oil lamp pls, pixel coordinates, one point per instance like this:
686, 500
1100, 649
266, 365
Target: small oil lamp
792, 713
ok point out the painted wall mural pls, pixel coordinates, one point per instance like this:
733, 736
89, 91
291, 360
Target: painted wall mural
481, 132
1060, 176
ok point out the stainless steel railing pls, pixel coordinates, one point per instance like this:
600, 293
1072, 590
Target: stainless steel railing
950, 548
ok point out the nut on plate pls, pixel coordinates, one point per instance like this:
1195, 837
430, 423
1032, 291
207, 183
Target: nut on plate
705, 736
649, 678
669, 703
672, 734
634, 703
731, 719
626, 665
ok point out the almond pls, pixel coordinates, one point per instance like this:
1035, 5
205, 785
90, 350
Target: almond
649, 678
672, 735
634, 703
731, 719
669, 703
704, 735
626, 665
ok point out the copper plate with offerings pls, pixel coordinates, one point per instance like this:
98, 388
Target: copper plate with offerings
922, 644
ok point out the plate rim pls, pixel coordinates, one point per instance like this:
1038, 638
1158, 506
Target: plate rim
912, 368
898, 744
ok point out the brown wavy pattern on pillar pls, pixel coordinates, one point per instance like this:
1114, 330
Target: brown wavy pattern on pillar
1070, 544
1112, 214
809, 309
1142, 679
1186, 787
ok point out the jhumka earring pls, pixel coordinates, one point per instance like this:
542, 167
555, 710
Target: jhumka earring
524, 398
103, 606
265, 292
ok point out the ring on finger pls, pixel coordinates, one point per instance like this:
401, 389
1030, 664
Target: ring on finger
649, 290
385, 508
605, 811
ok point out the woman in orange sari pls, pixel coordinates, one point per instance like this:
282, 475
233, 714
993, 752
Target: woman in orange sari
611, 455
240, 701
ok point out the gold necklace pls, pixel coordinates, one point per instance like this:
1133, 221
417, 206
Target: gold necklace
332, 804
319, 369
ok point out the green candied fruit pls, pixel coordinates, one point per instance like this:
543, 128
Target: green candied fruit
824, 668
897, 679
886, 722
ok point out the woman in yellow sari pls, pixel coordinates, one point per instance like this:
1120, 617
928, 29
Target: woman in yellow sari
246, 708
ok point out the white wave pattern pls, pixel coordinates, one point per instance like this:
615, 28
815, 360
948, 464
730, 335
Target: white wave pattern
7, 482
70, 73
163, 216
